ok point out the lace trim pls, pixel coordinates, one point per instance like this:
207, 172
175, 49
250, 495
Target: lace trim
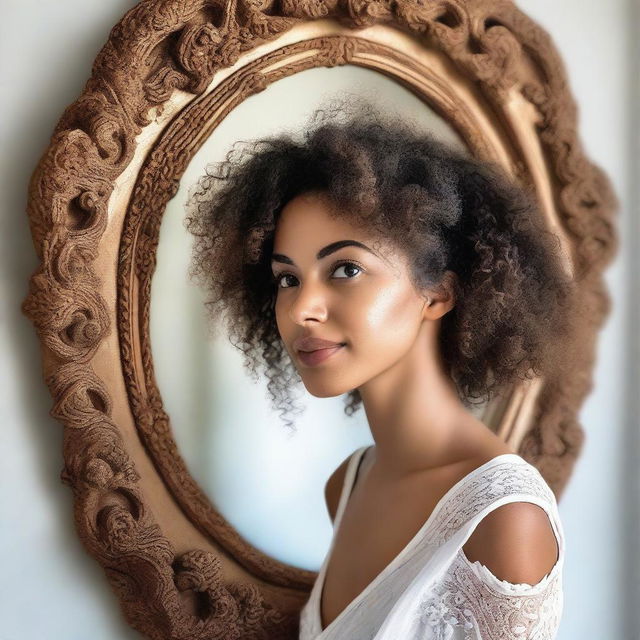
483, 489
504, 586
462, 601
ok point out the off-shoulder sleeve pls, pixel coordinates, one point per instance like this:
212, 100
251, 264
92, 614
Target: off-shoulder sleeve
470, 602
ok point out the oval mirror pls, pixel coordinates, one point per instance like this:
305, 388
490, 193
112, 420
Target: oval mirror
214, 406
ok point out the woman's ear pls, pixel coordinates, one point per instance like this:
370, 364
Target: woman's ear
440, 300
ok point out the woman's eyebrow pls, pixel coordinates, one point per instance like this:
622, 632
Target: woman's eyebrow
325, 251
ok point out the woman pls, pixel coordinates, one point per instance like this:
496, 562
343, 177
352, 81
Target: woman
373, 261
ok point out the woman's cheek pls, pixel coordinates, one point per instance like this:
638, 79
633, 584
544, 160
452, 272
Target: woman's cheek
386, 316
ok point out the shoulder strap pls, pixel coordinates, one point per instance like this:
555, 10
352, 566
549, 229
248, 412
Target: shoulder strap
513, 480
349, 479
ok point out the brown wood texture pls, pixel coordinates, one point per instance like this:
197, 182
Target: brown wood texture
169, 73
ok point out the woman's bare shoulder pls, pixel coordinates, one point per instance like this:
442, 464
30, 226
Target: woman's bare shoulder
333, 486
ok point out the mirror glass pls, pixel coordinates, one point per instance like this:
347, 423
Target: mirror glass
267, 481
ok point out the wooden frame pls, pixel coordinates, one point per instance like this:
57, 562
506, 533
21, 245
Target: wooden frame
169, 73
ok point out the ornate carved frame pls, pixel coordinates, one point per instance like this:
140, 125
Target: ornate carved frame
169, 73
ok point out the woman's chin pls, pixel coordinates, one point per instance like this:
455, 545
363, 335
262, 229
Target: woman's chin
325, 391
327, 388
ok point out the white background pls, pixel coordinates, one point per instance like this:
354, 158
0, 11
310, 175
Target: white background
51, 589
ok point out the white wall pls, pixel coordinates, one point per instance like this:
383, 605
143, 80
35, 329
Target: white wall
51, 588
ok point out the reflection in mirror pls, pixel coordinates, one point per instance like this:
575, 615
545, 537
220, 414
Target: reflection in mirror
268, 484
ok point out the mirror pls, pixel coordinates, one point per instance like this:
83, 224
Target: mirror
164, 94
215, 407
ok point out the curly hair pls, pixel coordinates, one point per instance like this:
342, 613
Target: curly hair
514, 311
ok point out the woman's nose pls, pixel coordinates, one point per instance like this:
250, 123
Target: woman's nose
310, 301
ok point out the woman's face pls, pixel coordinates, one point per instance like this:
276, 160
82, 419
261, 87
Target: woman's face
349, 295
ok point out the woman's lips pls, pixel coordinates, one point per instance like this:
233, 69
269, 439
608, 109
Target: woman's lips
312, 358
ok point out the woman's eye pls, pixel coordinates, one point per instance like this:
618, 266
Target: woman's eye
277, 279
346, 265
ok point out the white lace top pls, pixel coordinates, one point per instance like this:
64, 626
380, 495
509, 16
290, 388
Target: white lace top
430, 590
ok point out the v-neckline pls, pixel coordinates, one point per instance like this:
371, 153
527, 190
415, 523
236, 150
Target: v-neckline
351, 479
